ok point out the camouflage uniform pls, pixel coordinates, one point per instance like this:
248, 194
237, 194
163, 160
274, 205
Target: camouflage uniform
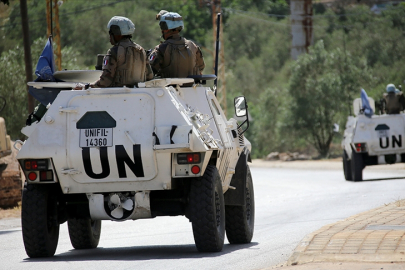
177, 57
122, 66
394, 102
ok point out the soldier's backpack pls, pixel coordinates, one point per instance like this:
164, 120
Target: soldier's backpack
133, 69
179, 59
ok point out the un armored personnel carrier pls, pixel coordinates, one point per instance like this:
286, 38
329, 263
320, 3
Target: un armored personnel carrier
158, 149
374, 140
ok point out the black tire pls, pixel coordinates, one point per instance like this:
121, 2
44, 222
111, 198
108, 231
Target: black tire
207, 211
40, 227
347, 168
240, 220
357, 166
84, 233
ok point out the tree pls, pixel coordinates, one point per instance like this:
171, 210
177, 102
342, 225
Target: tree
322, 86
12, 83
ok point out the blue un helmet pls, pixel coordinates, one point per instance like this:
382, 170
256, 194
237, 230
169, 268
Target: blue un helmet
170, 20
391, 88
120, 26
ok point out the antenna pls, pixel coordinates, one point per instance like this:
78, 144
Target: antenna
217, 50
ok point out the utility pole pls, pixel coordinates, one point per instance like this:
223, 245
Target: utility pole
301, 26
52, 19
27, 51
221, 90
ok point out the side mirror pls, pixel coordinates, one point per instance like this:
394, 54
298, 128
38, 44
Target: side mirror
241, 111
240, 106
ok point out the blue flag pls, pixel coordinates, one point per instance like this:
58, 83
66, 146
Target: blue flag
46, 63
368, 111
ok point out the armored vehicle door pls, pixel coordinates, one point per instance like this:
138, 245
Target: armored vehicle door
387, 134
229, 155
109, 137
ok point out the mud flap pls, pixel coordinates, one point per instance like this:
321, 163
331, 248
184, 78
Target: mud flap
237, 196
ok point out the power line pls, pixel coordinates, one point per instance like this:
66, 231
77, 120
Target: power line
69, 13
306, 16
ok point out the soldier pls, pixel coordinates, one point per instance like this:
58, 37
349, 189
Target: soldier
394, 100
176, 57
126, 62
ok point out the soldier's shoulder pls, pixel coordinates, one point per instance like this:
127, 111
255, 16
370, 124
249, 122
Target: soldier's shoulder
161, 47
138, 47
113, 51
191, 43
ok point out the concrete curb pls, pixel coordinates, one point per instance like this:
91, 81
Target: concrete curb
376, 236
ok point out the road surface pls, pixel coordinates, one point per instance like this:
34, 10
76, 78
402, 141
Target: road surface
290, 203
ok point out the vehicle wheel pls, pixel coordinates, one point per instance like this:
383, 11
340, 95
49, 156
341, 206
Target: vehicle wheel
347, 168
84, 233
207, 211
240, 220
40, 227
357, 166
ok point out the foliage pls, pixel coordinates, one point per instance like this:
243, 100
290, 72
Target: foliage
321, 84
292, 105
12, 83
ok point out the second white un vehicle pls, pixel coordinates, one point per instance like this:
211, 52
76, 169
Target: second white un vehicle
371, 140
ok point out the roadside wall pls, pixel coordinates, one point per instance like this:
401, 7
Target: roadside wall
10, 181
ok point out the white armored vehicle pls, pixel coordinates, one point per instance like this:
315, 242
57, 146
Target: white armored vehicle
374, 140
158, 149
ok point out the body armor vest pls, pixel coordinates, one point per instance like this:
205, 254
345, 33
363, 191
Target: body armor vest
131, 64
179, 59
392, 103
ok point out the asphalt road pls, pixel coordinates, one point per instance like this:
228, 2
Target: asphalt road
290, 203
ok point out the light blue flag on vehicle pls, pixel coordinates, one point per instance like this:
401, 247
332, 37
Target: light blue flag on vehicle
368, 111
46, 63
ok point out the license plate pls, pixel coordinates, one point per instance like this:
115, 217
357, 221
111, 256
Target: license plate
382, 133
96, 137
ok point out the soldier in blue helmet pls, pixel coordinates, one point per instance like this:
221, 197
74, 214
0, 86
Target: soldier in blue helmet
126, 62
394, 100
176, 57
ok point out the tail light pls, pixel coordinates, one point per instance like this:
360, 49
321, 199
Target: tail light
37, 170
36, 165
360, 147
188, 158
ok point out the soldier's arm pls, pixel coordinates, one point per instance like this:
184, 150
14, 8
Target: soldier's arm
109, 69
148, 71
200, 60
155, 59
402, 101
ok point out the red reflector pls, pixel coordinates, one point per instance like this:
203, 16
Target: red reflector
195, 169
34, 165
32, 176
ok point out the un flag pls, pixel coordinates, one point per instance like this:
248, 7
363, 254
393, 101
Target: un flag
46, 63
368, 111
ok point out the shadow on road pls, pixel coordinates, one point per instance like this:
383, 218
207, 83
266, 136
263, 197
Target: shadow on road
141, 253
381, 179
